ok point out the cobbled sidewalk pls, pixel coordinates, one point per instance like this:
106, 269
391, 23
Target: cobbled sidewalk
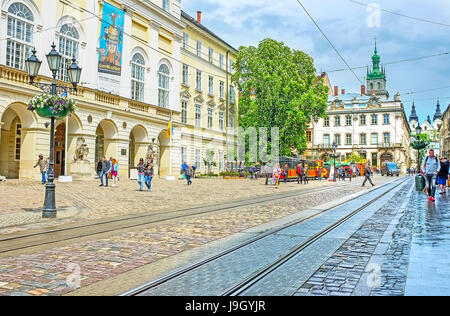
47, 272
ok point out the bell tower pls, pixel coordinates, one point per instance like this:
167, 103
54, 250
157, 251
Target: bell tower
376, 77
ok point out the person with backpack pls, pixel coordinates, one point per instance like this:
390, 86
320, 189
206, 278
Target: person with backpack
189, 172
431, 168
443, 176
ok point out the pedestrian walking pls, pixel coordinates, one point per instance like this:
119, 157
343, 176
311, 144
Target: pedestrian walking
319, 174
141, 174
252, 172
367, 175
114, 172
99, 168
43, 167
268, 172
431, 168
276, 175
148, 174
305, 175
300, 174
189, 172
443, 176
106, 170
350, 174
286, 173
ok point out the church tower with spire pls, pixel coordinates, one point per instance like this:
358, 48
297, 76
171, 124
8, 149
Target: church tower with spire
376, 77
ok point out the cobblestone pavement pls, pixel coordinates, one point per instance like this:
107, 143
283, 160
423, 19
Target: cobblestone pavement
21, 202
46, 272
218, 276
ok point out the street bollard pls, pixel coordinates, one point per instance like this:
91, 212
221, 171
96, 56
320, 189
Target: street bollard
420, 182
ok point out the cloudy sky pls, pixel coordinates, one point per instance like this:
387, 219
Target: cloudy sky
352, 28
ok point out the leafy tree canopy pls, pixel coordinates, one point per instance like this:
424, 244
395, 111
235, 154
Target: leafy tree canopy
279, 88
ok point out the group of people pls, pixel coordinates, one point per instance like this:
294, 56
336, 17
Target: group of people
108, 169
342, 172
436, 172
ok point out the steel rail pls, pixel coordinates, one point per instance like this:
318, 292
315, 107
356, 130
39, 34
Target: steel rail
173, 275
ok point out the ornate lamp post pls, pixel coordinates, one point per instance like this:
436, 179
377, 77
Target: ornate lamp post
32, 66
418, 132
335, 145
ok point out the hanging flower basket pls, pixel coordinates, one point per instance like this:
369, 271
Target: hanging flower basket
56, 106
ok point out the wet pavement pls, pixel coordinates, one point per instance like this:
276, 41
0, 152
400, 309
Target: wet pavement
429, 264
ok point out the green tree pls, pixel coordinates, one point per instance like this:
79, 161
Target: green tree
421, 144
278, 88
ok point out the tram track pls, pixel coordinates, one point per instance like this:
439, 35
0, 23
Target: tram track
252, 279
71, 232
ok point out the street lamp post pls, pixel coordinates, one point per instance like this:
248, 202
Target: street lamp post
418, 132
32, 66
335, 145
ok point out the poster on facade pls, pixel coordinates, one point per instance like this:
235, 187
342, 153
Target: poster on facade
111, 40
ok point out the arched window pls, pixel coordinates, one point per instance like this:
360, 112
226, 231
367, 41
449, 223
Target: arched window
379, 85
137, 77
163, 79
20, 35
68, 48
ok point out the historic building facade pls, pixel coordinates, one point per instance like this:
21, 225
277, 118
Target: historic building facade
429, 127
133, 60
368, 124
444, 133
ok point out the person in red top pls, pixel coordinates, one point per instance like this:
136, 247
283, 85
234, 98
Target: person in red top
299, 174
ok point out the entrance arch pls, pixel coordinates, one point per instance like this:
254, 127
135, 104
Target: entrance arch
387, 157
106, 139
138, 145
164, 154
17, 146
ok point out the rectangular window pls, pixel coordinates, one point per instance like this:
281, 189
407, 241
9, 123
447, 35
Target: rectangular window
198, 116
222, 90
232, 97
197, 158
387, 138
183, 155
348, 139
221, 121
222, 61
185, 41
230, 67
337, 139
18, 142
374, 139
363, 139
232, 121
348, 120
166, 5
211, 55
308, 136
198, 81
374, 119
326, 122
211, 85
184, 106
337, 121
326, 139
199, 49
210, 118
363, 120
185, 78
386, 119
221, 160
374, 159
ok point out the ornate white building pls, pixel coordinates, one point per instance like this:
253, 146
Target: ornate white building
368, 123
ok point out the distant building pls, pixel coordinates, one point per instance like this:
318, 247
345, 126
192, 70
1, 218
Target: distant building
445, 133
366, 123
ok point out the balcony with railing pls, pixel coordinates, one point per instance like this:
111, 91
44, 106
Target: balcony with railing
388, 145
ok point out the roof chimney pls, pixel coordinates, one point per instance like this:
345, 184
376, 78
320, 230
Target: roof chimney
363, 90
336, 91
199, 17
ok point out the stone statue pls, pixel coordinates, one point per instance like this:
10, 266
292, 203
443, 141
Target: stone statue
82, 150
152, 153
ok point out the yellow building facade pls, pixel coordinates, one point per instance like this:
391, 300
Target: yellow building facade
132, 58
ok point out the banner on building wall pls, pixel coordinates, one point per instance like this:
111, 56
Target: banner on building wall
111, 40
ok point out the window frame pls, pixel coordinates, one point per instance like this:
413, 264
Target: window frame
164, 92
137, 83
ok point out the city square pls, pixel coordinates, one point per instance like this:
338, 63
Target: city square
203, 149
